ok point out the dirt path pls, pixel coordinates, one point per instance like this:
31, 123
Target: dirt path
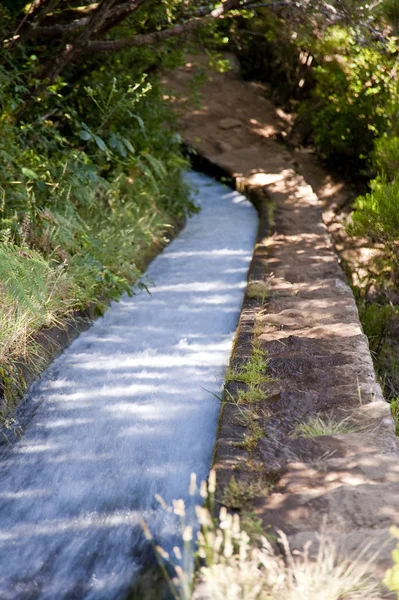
309, 326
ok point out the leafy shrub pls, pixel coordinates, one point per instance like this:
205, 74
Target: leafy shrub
91, 178
386, 156
376, 215
390, 10
355, 95
376, 321
391, 579
268, 51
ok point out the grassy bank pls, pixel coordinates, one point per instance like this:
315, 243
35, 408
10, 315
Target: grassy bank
90, 189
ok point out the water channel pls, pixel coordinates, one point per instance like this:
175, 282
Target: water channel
127, 411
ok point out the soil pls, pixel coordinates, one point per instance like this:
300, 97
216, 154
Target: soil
345, 485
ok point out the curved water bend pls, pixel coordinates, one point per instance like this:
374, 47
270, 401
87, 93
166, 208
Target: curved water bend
125, 413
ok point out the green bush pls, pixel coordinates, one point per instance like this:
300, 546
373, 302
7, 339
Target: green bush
91, 179
389, 9
391, 580
89, 165
268, 51
376, 215
376, 321
355, 95
386, 156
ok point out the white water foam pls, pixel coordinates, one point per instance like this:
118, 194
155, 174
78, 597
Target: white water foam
126, 412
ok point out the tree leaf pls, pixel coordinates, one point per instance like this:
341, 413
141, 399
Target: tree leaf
85, 135
139, 120
100, 143
29, 173
128, 145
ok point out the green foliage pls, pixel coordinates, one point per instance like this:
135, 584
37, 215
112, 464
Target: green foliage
91, 179
391, 579
268, 50
336, 41
253, 372
238, 493
376, 214
386, 156
395, 413
356, 95
335, 66
389, 9
376, 320
380, 321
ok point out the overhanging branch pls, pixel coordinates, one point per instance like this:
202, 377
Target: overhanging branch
155, 37
122, 10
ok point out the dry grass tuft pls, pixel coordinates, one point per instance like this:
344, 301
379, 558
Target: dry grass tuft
233, 567
258, 290
329, 425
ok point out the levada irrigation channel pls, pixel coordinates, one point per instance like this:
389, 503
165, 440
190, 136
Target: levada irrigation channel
126, 412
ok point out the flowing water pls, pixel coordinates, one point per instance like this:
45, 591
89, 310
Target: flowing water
126, 412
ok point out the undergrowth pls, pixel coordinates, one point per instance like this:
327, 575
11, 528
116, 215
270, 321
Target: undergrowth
325, 425
253, 371
253, 374
238, 493
91, 187
232, 565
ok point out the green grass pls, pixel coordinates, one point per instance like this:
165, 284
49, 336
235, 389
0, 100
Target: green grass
329, 425
252, 525
251, 440
258, 290
33, 294
253, 374
39, 291
237, 493
250, 419
251, 395
395, 413
253, 371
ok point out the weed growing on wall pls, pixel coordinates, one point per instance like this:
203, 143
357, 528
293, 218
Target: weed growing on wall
231, 565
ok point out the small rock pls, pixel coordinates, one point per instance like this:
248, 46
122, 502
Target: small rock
223, 147
229, 123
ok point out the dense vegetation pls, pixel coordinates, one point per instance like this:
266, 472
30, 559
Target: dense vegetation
331, 63
90, 161
334, 65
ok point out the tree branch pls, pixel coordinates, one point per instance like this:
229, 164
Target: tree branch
148, 39
123, 10
79, 44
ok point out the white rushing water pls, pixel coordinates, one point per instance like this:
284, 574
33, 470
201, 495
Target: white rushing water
124, 413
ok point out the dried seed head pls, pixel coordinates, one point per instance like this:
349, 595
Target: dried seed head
203, 490
236, 525
162, 553
179, 508
193, 484
177, 552
146, 531
187, 534
161, 501
212, 482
